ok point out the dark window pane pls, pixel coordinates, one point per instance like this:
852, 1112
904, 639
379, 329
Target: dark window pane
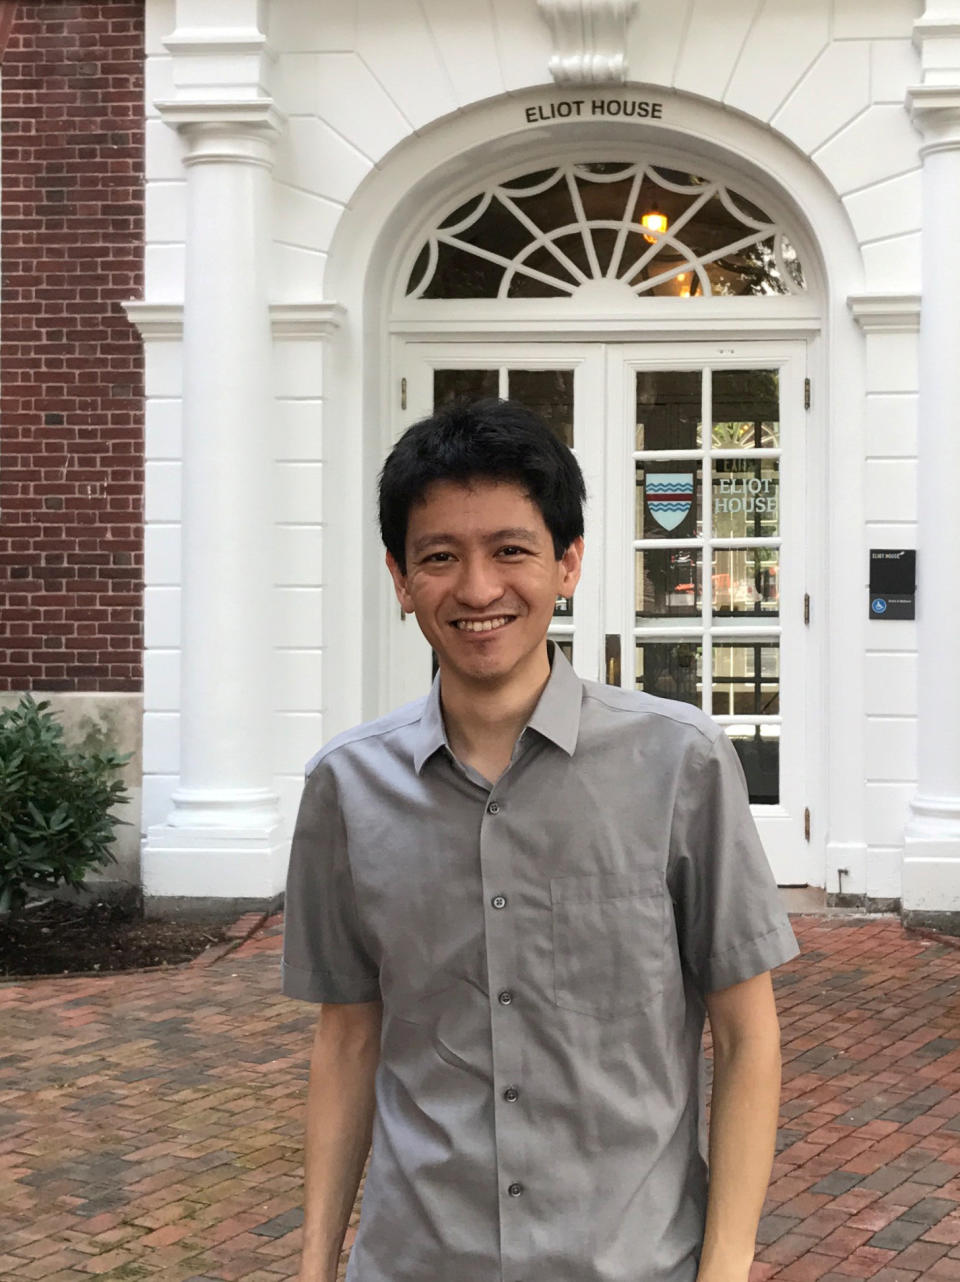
668, 583
464, 384
462, 275
750, 270
746, 409
746, 582
758, 748
669, 409
565, 646
550, 393
746, 678
671, 670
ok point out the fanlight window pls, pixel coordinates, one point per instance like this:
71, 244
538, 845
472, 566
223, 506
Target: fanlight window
605, 226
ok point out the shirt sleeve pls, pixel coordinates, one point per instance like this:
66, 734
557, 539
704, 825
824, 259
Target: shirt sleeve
325, 958
731, 924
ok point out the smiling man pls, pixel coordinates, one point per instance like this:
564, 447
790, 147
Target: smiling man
517, 900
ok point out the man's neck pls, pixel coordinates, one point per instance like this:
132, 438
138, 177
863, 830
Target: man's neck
483, 720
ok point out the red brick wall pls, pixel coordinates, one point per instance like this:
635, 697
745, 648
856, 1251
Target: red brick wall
71, 367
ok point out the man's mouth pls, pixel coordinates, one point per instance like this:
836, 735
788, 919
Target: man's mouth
483, 625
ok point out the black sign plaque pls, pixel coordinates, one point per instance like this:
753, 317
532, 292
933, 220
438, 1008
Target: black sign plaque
893, 583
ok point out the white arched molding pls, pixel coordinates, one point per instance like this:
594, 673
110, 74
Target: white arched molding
589, 40
931, 870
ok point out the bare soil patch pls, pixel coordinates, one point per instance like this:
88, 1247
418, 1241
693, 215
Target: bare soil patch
59, 937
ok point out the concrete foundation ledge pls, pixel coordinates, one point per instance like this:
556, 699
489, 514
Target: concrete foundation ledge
206, 908
865, 903
944, 923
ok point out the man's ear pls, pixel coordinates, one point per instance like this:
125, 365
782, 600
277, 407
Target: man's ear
571, 564
400, 585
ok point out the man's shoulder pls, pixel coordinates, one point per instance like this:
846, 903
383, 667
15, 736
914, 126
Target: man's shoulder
635, 711
369, 735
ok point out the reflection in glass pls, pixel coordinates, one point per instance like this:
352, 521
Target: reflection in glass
745, 582
668, 499
746, 678
668, 583
669, 409
671, 670
550, 393
464, 384
746, 409
758, 748
746, 498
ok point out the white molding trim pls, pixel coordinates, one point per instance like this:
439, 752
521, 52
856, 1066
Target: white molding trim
216, 41
931, 27
889, 313
589, 40
608, 329
306, 320
261, 111
159, 322
155, 321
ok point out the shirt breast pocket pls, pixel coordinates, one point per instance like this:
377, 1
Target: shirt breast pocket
607, 942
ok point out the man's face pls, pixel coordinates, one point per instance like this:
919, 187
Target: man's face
482, 579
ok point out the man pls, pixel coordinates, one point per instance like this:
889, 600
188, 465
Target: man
516, 898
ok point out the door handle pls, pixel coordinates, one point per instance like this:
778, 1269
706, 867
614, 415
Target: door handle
612, 656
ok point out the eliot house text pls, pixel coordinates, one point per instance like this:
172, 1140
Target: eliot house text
573, 108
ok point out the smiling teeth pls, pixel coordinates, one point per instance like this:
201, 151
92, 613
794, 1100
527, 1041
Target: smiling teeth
484, 625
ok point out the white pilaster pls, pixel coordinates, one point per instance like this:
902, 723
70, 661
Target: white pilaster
223, 837
931, 872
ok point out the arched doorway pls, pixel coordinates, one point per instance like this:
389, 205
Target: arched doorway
658, 314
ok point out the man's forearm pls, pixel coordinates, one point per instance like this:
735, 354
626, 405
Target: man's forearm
340, 1105
743, 1131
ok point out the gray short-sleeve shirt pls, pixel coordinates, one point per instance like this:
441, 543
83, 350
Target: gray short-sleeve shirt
542, 949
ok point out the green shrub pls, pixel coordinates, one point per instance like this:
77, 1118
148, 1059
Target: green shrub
55, 803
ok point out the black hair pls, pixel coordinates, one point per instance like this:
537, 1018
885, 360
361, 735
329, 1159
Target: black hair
491, 439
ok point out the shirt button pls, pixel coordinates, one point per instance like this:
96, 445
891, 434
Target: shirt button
511, 1094
515, 1189
493, 808
499, 901
505, 997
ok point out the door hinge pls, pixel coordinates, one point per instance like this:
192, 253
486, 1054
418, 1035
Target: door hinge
806, 393
806, 607
806, 824
403, 393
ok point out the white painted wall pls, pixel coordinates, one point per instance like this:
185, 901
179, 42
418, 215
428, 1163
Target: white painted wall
377, 92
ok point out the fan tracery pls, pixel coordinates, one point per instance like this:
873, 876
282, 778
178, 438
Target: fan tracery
637, 228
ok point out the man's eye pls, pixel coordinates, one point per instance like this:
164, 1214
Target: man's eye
438, 557
510, 550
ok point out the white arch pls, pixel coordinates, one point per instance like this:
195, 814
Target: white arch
371, 245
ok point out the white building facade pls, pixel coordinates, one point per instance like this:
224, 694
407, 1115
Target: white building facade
712, 241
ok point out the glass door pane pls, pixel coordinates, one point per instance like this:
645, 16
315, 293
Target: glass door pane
564, 384
711, 500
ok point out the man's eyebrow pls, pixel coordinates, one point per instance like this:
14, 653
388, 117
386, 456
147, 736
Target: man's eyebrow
512, 533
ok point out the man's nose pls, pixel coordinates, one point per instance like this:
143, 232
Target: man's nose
478, 584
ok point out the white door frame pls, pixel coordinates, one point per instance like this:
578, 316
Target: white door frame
601, 380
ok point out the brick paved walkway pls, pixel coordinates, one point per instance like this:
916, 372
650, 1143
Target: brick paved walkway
151, 1124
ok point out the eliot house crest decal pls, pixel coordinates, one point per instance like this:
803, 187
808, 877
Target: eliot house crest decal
669, 495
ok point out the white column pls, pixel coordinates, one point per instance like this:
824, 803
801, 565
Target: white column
222, 838
931, 873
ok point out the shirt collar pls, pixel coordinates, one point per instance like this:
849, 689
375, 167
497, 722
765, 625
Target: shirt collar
556, 716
